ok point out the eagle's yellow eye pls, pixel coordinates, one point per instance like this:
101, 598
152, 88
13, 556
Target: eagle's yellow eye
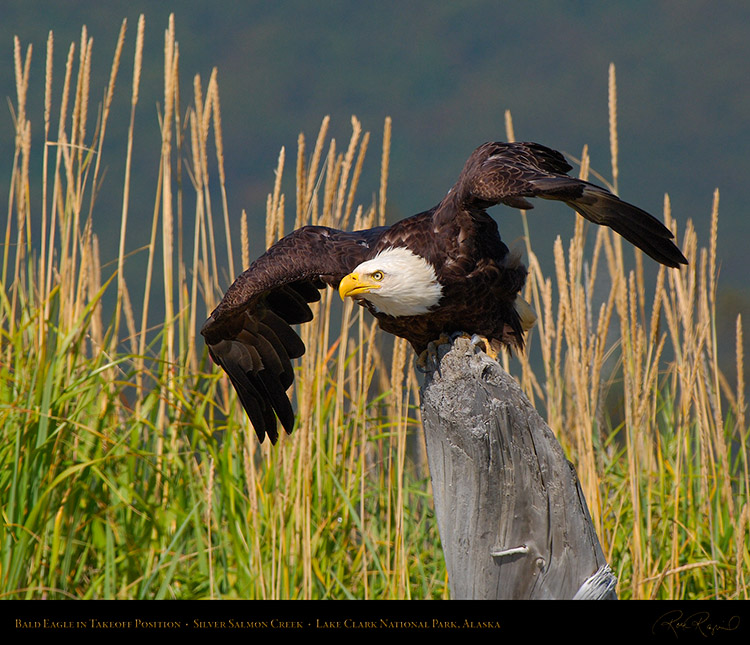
377, 275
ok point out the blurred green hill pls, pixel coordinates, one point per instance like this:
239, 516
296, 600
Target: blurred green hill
445, 72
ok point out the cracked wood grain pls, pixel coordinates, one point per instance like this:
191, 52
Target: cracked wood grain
511, 513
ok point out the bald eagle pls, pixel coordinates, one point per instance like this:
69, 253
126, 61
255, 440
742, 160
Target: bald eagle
442, 271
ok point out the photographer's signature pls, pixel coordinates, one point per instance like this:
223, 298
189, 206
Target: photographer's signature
677, 623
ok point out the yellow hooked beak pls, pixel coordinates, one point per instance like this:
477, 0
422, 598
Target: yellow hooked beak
354, 285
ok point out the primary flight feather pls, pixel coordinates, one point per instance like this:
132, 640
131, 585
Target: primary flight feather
438, 272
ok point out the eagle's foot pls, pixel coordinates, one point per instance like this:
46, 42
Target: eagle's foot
430, 355
493, 348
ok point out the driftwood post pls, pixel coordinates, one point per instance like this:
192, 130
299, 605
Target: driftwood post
512, 517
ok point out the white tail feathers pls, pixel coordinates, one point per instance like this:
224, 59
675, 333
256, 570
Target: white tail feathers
526, 313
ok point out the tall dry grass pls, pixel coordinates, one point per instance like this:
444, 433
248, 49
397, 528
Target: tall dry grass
129, 470
633, 388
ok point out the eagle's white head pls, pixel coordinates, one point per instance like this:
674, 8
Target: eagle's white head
396, 281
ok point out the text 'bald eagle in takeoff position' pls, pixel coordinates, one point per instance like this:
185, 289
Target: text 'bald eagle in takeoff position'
442, 271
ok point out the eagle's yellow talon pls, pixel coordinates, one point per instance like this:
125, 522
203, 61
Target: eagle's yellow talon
431, 353
493, 348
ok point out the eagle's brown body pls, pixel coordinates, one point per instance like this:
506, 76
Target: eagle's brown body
250, 336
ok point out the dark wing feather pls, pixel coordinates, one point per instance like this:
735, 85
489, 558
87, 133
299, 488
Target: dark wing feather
509, 173
250, 335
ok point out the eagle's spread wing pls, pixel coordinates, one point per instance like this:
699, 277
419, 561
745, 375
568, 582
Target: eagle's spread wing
249, 334
508, 173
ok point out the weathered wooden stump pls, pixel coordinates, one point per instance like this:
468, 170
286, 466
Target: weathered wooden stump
511, 514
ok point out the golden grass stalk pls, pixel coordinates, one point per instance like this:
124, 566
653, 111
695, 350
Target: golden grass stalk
384, 169
135, 89
45, 169
613, 142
